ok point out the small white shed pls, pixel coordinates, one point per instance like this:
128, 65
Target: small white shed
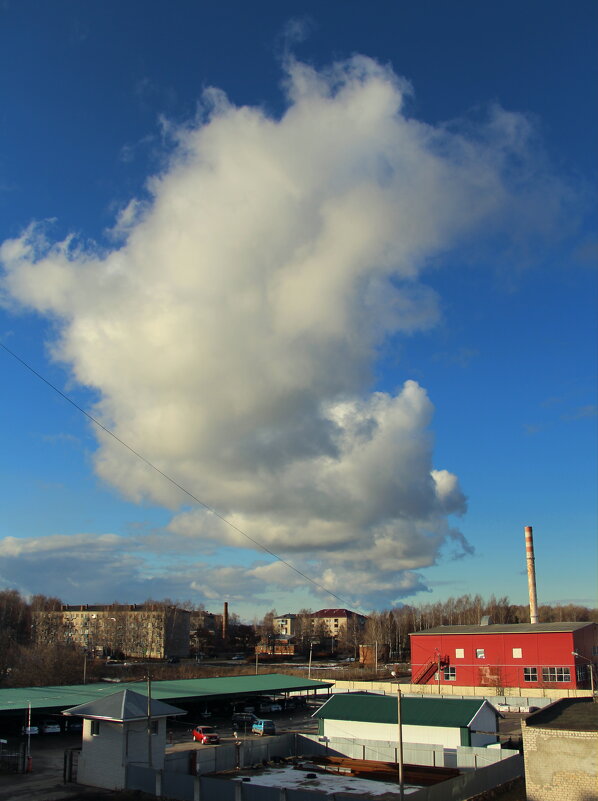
116, 732
440, 721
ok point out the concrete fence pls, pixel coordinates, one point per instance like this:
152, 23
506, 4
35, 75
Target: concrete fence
465, 758
484, 768
509, 696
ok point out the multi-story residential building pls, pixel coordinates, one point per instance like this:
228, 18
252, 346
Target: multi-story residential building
285, 624
152, 631
338, 622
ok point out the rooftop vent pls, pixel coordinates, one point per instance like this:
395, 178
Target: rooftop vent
486, 621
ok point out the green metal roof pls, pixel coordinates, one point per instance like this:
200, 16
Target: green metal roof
364, 708
504, 628
62, 697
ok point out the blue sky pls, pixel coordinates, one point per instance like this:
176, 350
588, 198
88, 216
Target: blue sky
330, 267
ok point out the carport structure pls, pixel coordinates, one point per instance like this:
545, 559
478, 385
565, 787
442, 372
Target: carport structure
187, 693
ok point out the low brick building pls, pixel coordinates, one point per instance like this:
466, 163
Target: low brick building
560, 749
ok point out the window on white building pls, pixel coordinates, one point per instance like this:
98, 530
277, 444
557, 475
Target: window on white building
459, 653
556, 674
95, 727
517, 653
530, 674
480, 653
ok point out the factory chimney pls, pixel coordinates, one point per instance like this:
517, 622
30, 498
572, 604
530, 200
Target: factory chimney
225, 622
531, 575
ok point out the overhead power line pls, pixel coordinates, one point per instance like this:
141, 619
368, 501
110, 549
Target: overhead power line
167, 477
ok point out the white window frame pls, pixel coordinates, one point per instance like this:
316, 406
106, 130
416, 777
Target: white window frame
532, 674
480, 653
517, 653
459, 653
556, 675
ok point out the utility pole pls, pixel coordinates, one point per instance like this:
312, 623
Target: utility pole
149, 719
400, 743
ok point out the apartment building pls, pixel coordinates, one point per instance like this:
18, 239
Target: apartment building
337, 622
285, 625
152, 631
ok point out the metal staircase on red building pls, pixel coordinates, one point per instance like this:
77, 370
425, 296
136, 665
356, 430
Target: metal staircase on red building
431, 666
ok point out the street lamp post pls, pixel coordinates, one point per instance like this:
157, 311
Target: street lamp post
591, 663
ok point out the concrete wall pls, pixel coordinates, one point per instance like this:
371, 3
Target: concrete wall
494, 695
463, 757
560, 765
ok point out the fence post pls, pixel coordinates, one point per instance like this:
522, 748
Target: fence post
196, 788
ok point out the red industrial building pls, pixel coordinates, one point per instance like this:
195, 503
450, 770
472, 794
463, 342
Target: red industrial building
529, 655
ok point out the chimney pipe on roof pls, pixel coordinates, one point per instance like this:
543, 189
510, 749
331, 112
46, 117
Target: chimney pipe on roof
531, 575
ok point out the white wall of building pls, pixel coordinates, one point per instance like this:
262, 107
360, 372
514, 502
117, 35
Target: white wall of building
434, 735
104, 756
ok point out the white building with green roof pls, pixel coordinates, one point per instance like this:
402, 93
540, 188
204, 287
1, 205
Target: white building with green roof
448, 722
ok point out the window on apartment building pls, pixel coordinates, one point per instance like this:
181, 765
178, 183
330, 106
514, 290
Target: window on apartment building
155, 724
556, 674
594, 650
459, 653
530, 674
95, 727
480, 653
450, 673
517, 653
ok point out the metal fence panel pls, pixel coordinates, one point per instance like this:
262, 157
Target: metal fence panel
216, 789
177, 785
140, 778
470, 784
255, 792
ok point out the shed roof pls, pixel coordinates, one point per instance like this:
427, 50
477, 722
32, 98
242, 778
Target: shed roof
504, 628
366, 708
573, 714
126, 705
62, 697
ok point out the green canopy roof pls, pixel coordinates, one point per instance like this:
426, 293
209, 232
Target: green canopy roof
62, 697
365, 708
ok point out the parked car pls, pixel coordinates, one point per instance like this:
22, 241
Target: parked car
275, 707
74, 725
241, 718
206, 735
238, 657
263, 726
49, 727
29, 730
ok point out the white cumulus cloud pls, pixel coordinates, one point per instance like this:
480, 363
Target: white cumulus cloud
232, 335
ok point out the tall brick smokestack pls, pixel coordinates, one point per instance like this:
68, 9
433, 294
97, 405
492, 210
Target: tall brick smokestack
225, 622
531, 574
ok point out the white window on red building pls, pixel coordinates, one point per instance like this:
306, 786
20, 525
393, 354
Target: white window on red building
530, 674
480, 653
517, 653
556, 674
459, 653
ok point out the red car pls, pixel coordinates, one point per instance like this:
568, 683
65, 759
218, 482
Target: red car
206, 735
